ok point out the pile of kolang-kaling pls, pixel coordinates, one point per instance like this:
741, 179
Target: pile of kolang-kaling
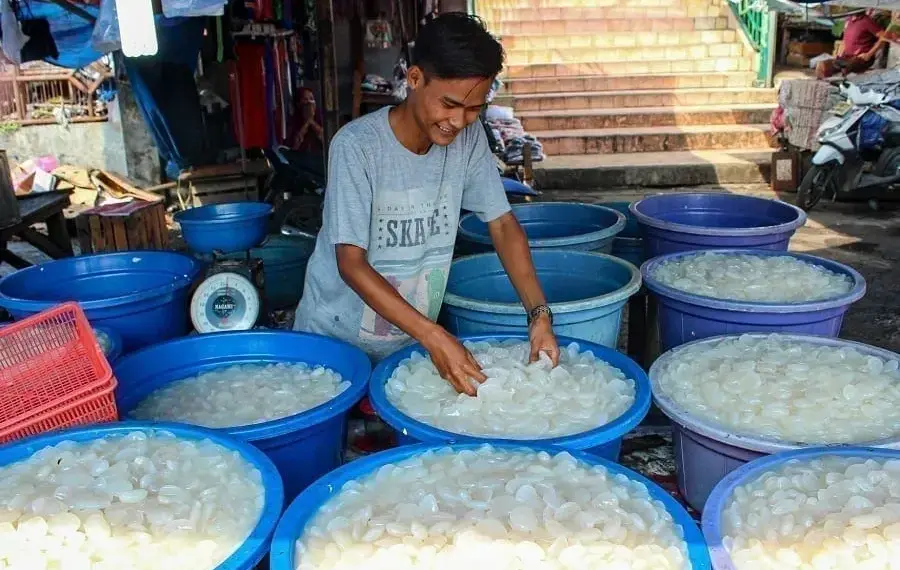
784, 389
753, 278
826, 513
518, 400
242, 394
492, 508
144, 501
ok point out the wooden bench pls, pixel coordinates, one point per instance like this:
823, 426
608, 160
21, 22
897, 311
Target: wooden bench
44, 208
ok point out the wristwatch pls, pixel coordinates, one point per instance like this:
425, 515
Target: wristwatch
538, 311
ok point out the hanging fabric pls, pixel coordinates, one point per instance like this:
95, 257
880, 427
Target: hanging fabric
247, 82
39, 44
13, 37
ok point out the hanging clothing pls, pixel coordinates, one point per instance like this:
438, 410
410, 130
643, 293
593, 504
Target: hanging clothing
249, 100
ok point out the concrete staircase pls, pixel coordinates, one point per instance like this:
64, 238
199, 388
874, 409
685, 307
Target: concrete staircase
634, 92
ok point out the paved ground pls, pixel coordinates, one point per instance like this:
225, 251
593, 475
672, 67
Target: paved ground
851, 233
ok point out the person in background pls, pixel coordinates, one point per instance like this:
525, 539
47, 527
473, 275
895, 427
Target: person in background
397, 179
310, 136
860, 48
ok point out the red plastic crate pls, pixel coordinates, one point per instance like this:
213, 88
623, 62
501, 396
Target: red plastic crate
53, 374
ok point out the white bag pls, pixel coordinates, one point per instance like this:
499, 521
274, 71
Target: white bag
13, 38
105, 37
193, 8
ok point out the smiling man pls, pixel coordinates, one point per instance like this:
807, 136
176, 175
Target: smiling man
397, 179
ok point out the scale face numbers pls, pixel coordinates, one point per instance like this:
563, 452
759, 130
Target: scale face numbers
225, 302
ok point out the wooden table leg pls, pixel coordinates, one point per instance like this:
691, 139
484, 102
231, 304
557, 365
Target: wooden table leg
59, 234
44, 243
13, 259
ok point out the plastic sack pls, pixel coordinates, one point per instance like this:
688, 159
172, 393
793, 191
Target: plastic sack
13, 37
871, 130
105, 37
193, 8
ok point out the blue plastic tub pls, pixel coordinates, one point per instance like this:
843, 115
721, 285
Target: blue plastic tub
226, 228
284, 260
304, 507
303, 447
712, 516
556, 225
586, 291
706, 452
141, 295
248, 555
114, 352
685, 222
684, 317
628, 245
604, 441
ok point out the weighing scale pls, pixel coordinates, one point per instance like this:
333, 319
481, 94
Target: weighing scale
229, 298
230, 295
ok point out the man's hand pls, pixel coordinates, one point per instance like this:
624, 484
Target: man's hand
454, 363
543, 340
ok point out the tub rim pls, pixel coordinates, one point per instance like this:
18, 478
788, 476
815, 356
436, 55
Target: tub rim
557, 242
616, 429
245, 212
619, 295
179, 281
757, 443
656, 223
306, 505
272, 428
857, 290
712, 513
254, 547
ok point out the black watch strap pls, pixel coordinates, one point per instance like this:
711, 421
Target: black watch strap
538, 311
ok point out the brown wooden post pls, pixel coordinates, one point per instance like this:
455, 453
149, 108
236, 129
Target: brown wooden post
20, 98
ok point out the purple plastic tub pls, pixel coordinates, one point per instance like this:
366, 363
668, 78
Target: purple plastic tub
712, 516
686, 317
686, 222
706, 452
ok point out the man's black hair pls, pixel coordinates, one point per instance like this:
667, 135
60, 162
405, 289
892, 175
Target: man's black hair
456, 45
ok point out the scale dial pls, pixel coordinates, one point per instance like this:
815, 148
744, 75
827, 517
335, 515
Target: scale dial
225, 302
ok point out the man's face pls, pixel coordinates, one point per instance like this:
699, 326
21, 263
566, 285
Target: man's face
444, 107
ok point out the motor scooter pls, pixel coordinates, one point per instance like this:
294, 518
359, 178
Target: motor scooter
859, 156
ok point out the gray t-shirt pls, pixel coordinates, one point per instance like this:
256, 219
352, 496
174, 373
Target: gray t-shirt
403, 209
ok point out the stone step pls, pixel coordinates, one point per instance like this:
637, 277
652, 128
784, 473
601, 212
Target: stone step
655, 67
637, 40
653, 169
635, 23
637, 98
625, 83
645, 117
493, 16
653, 139
581, 54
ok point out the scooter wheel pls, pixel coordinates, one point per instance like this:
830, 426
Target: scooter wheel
819, 181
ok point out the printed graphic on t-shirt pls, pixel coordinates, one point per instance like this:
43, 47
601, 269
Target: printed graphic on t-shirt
411, 245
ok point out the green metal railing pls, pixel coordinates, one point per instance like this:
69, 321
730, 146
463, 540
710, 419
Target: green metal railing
758, 25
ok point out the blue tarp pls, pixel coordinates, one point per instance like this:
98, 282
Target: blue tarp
71, 33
